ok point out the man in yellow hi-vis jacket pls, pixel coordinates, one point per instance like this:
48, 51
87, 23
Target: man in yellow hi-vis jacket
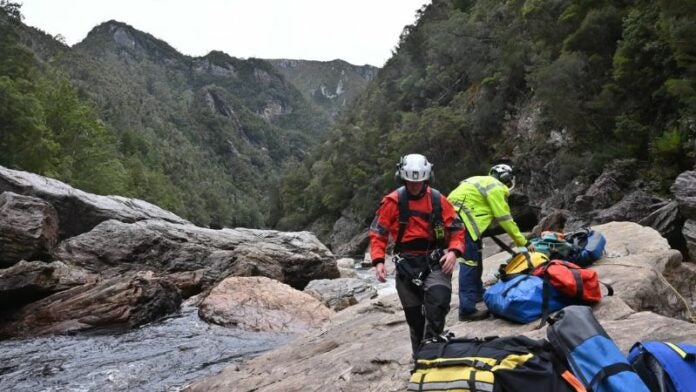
480, 201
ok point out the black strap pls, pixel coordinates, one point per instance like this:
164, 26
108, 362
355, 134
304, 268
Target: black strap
609, 371
403, 216
545, 293
472, 381
434, 218
579, 291
610, 290
503, 245
420, 383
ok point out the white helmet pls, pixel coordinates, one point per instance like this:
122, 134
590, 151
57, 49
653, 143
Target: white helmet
414, 168
503, 173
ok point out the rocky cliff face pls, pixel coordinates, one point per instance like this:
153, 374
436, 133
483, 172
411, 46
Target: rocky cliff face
331, 85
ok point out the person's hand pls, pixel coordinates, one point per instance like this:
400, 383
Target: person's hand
448, 261
531, 247
381, 272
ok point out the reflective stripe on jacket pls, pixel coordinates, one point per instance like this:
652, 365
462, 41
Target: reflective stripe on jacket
480, 200
417, 230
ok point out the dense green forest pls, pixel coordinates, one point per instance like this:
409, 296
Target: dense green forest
124, 113
560, 85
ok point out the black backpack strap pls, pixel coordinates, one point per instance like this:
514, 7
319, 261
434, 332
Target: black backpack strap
437, 224
402, 194
435, 217
609, 371
503, 245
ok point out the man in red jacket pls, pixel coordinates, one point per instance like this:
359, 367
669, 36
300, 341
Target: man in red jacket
428, 239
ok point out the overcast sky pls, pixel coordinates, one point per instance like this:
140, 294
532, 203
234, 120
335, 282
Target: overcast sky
358, 31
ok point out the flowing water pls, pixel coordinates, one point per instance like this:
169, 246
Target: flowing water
161, 356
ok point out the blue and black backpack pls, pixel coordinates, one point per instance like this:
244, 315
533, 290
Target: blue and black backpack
591, 355
665, 367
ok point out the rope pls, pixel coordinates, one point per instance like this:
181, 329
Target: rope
689, 308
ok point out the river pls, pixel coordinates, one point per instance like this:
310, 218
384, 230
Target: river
160, 356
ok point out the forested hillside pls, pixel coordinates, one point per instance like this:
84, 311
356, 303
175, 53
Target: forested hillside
122, 112
560, 87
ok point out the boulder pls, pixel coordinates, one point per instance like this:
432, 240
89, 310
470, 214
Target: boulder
349, 235
125, 301
684, 190
262, 304
355, 246
638, 262
340, 293
345, 262
80, 211
665, 219
633, 207
610, 186
28, 228
554, 221
669, 223
26, 282
689, 233
366, 346
292, 257
347, 273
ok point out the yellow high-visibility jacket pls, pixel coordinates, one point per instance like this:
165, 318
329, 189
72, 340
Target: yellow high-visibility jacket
480, 200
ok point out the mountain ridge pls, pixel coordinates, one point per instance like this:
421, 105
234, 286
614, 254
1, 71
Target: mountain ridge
202, 136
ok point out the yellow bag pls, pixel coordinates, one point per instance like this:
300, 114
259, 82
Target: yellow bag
522, 263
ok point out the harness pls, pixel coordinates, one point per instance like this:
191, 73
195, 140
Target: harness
437, 225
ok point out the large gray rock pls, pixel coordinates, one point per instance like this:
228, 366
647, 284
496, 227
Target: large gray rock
340, 293
366, 346
684, 190
125, 301
291, 257
28, 228
349, 235
666, 219
262, 304
689, 233
609, 187
633, 207
25, 281
355, 246
636, 263
80, 211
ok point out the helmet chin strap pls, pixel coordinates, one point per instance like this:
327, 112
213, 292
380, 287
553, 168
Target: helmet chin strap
512, 186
